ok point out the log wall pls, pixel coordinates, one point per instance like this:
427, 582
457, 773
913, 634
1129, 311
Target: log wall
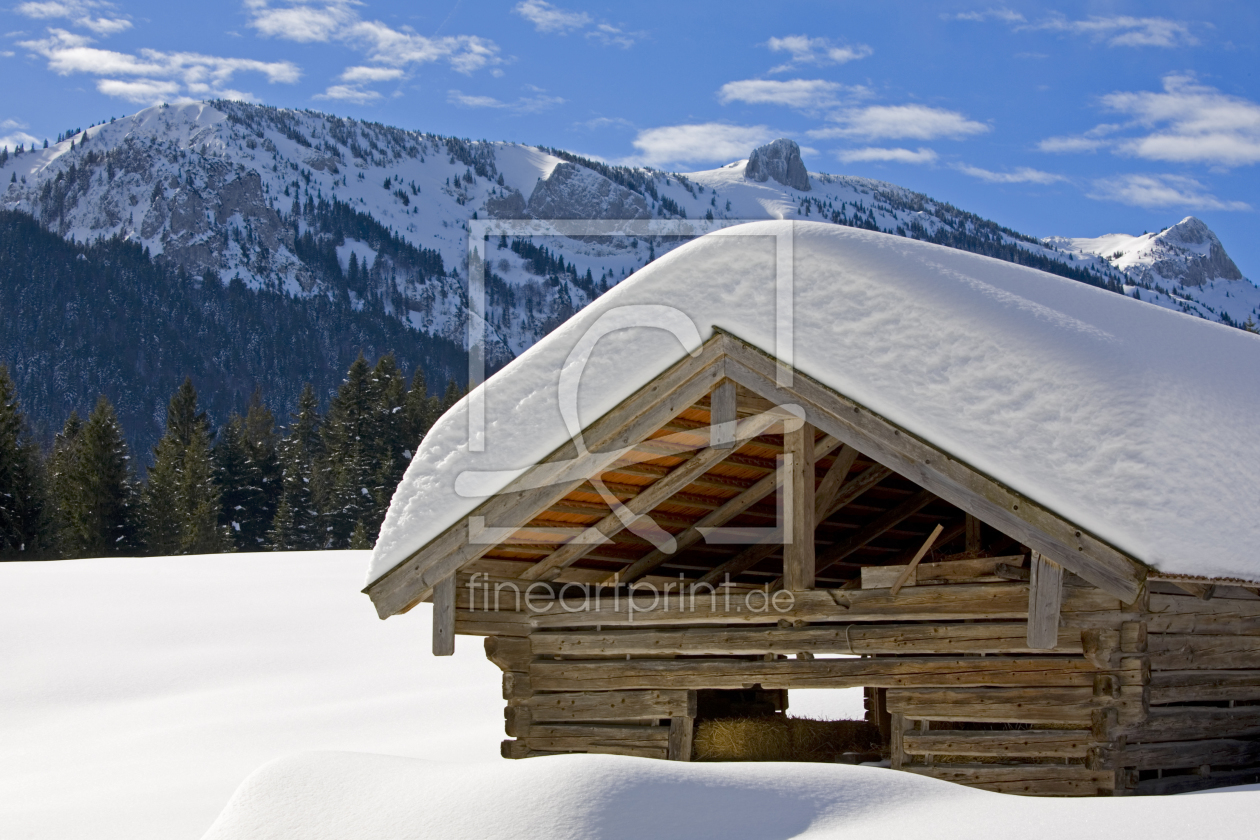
1158, 696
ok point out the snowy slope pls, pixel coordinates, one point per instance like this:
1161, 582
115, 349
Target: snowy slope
222, 190
137, 694
1135, 423
1183, 267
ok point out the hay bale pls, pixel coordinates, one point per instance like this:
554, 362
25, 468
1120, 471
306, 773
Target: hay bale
781, 738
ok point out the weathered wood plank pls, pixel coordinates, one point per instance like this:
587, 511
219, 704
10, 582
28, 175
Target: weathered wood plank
913, 566
1204, 686
1045, 598
798, 552
1071, 705
682, 736
1187, 783
1024, 779
952, 571
1065, 743
858, 639
637, 417
723, 416
510, 654
1083, 607
614, 675
1171, 755
612, 705
831, 484
1185, 614
444, 617
1184, 652
1189, 723
1011, 513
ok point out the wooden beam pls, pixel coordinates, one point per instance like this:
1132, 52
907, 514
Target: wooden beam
973, 545
722, 416
798, 551
914, 561
444, 616
873, 530
953, 480
650, 497
728, 511
833, 482
641, 414
1045, 598
852, 489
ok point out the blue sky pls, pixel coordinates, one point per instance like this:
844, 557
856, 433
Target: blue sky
1069, 119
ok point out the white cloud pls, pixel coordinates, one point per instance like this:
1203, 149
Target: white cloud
876, 154
1022, 175
78, 12
1124, 31
523, 105
613, 36
549, 18
1161, 191
794, 93
13, 134
370, 74
1002, 14
821, 51
349, 93
1192, 123
155, 76
916, 122
699, 143
326, 21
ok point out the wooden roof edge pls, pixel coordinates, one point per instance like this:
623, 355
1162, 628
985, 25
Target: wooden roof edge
1162, 577
949, 477
632, 420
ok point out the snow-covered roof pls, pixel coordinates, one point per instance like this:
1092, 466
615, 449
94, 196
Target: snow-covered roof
1130, 421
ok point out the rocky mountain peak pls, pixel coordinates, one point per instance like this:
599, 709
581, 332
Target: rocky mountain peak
780, 160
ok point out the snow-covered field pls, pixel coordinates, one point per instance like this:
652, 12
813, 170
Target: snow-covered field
137, 695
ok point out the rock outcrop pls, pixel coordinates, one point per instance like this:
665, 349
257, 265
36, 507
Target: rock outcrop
780, 160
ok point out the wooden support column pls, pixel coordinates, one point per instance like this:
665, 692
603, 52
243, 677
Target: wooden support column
798, 489
1045, 596
444, 617
682, 731
973, 545
722, 416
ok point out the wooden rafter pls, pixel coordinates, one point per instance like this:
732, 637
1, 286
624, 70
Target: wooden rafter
650, 496
873, 530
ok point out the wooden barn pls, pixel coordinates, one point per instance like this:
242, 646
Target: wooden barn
1019, 511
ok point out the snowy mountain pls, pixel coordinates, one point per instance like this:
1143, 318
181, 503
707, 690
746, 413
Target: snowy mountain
377, 217
1182, 267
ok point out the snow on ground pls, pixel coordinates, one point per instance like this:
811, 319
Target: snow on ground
137, 695
331, 796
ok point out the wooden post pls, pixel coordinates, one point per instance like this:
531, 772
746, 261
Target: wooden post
905, 576
444, 617
973, 545
722, 416
682, 731
798, 553
1045, 596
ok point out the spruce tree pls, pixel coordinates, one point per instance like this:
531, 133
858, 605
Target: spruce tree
181, 500
99, 498
296, 523
347, 466
26, 528
420, 410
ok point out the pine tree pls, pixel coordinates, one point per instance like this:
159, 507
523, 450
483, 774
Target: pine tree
347, 467
99, 498
296, 526
420, 410
26, 527
393, 443
181, 500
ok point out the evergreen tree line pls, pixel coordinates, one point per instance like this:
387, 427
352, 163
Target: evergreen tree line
321, 481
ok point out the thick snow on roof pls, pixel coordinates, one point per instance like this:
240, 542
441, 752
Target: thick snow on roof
1133, 422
